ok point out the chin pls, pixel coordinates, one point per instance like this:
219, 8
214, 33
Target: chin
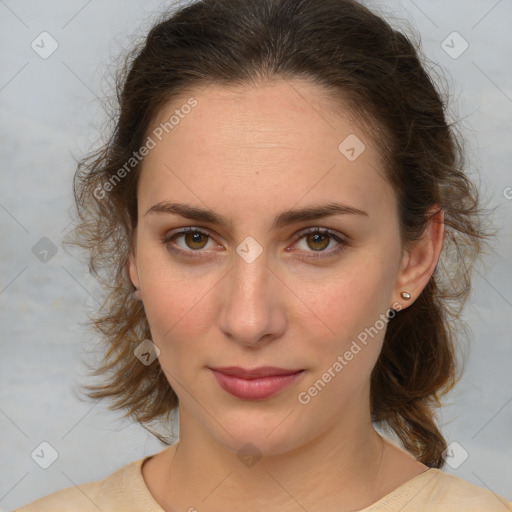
258, 434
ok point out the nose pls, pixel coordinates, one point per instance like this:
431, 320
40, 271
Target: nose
252, 303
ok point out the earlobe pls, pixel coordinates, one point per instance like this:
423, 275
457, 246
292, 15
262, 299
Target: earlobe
131, 267
134, 276
421, 259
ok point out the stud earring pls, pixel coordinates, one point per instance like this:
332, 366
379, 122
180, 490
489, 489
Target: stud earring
405, 295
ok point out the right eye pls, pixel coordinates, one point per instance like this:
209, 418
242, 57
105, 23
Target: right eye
195, 240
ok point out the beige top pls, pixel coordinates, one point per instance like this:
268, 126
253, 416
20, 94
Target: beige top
125, 491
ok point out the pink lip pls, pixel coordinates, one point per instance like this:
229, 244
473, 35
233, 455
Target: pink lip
256, 384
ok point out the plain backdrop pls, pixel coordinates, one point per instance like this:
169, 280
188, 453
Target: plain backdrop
50, 115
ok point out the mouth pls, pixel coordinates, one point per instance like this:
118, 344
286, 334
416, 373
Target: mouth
255, 384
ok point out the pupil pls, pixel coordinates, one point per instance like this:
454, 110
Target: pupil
196, 239
318, 238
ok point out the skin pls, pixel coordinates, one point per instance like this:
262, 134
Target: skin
248, 153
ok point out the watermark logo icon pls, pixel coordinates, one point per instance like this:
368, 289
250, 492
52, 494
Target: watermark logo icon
249, 249
44, 455
454, 45
352, 147
146, 352
44, 250
44, 45
249, 455
455, 455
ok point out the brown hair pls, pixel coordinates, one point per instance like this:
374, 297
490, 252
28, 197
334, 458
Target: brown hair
354, 54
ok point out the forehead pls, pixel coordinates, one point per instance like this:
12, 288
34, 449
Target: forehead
267, 116
274, 143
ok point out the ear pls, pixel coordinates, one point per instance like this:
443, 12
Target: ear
420, 259
131, 268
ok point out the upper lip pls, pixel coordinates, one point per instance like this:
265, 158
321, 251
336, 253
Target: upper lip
254, 373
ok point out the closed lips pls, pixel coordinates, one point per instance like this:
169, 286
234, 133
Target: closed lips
255, 373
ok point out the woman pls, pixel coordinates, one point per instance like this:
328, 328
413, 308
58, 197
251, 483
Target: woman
271, 216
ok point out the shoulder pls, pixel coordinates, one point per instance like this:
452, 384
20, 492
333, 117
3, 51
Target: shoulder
81, 497
122, 490
435, 490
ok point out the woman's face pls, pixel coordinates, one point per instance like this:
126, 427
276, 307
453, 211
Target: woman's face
256, 290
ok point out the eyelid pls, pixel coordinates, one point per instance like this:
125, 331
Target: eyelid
167, 238
340, 238
319, 229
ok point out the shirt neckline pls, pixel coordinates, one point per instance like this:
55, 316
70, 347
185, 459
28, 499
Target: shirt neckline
133, 482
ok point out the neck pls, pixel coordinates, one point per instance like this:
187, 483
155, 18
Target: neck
339, 469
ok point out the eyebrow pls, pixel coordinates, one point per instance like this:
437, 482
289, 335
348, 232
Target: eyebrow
284, 218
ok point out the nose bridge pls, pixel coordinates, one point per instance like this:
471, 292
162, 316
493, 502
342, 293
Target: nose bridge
249, 286
249, 309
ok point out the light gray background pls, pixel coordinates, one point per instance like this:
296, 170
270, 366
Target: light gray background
50, 115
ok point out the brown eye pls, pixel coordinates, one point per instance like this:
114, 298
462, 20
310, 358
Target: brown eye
318, 241
195, 240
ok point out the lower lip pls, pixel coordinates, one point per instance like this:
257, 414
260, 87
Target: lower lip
255, 389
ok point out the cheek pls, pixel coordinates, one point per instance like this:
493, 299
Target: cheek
345, 304
344, 359
353, 309
175, 297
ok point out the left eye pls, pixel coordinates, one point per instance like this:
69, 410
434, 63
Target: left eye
316, 239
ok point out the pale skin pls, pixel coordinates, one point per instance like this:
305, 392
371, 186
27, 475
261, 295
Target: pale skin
247, 154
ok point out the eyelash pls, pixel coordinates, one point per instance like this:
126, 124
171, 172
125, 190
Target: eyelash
167, 239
